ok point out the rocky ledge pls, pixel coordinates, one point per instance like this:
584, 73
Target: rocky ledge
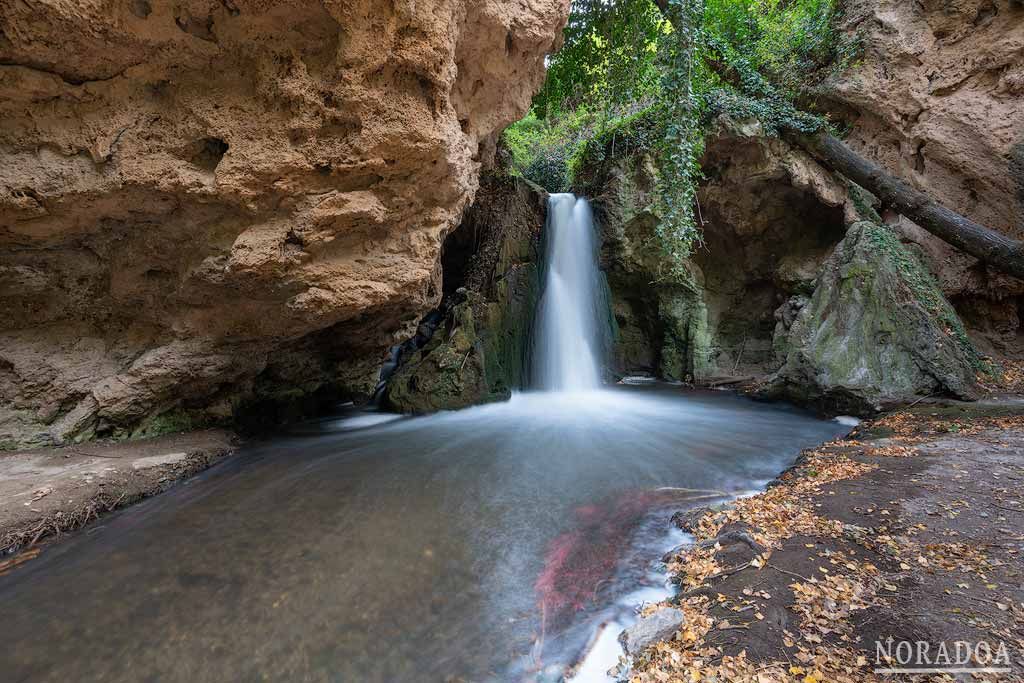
45, 493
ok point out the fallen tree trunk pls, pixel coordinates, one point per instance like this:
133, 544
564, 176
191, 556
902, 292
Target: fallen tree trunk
991, 247
986, 245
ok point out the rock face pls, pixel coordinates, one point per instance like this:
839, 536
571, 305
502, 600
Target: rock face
205, 203
936, 100
771, 215
791, 283
876, 331
480, 351
659, 328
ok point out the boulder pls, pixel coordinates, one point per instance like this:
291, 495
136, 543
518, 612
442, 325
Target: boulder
876, 332
654, 628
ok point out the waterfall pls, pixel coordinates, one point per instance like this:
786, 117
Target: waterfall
565, 350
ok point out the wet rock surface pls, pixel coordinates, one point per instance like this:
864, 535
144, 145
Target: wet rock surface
654, 628
478, 348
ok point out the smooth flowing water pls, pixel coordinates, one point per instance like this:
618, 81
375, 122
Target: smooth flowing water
485, 544
568, 335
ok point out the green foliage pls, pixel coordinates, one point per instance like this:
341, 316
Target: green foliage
756, 98
794, 43
682, 144
634, 133
541, 149
631, 77
608, 58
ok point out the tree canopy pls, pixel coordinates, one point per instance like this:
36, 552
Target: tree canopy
651, 61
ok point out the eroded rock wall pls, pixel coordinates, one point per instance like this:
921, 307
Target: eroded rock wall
477, 347
202, 202
771, 216
937, 100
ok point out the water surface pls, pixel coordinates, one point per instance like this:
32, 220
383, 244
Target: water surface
476, 545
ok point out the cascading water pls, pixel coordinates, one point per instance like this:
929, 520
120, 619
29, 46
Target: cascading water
565, 348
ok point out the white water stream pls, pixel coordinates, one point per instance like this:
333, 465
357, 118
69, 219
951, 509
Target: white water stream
566, 345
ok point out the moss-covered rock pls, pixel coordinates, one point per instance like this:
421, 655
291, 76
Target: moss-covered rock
660, 325
686, 339
449, 372
480, 351
876, 332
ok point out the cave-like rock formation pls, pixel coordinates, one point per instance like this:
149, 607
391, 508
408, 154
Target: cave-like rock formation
796, 283
771, 216
204, 203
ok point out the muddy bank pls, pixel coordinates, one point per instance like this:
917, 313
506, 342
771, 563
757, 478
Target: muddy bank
910, 528
47, 492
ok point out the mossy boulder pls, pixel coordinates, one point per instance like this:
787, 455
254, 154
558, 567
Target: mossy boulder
876, 332
447, 373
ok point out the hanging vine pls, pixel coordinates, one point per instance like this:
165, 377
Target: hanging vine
645, 76
682, 142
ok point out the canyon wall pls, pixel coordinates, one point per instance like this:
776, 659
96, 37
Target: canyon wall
938, 99
207, 203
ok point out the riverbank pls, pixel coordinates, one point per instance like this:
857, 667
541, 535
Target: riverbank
911, 528
47, 492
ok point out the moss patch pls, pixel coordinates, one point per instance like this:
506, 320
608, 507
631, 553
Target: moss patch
876, 332
926, 290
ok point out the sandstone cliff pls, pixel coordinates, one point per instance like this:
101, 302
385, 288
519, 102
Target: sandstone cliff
204, 203
937, 100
